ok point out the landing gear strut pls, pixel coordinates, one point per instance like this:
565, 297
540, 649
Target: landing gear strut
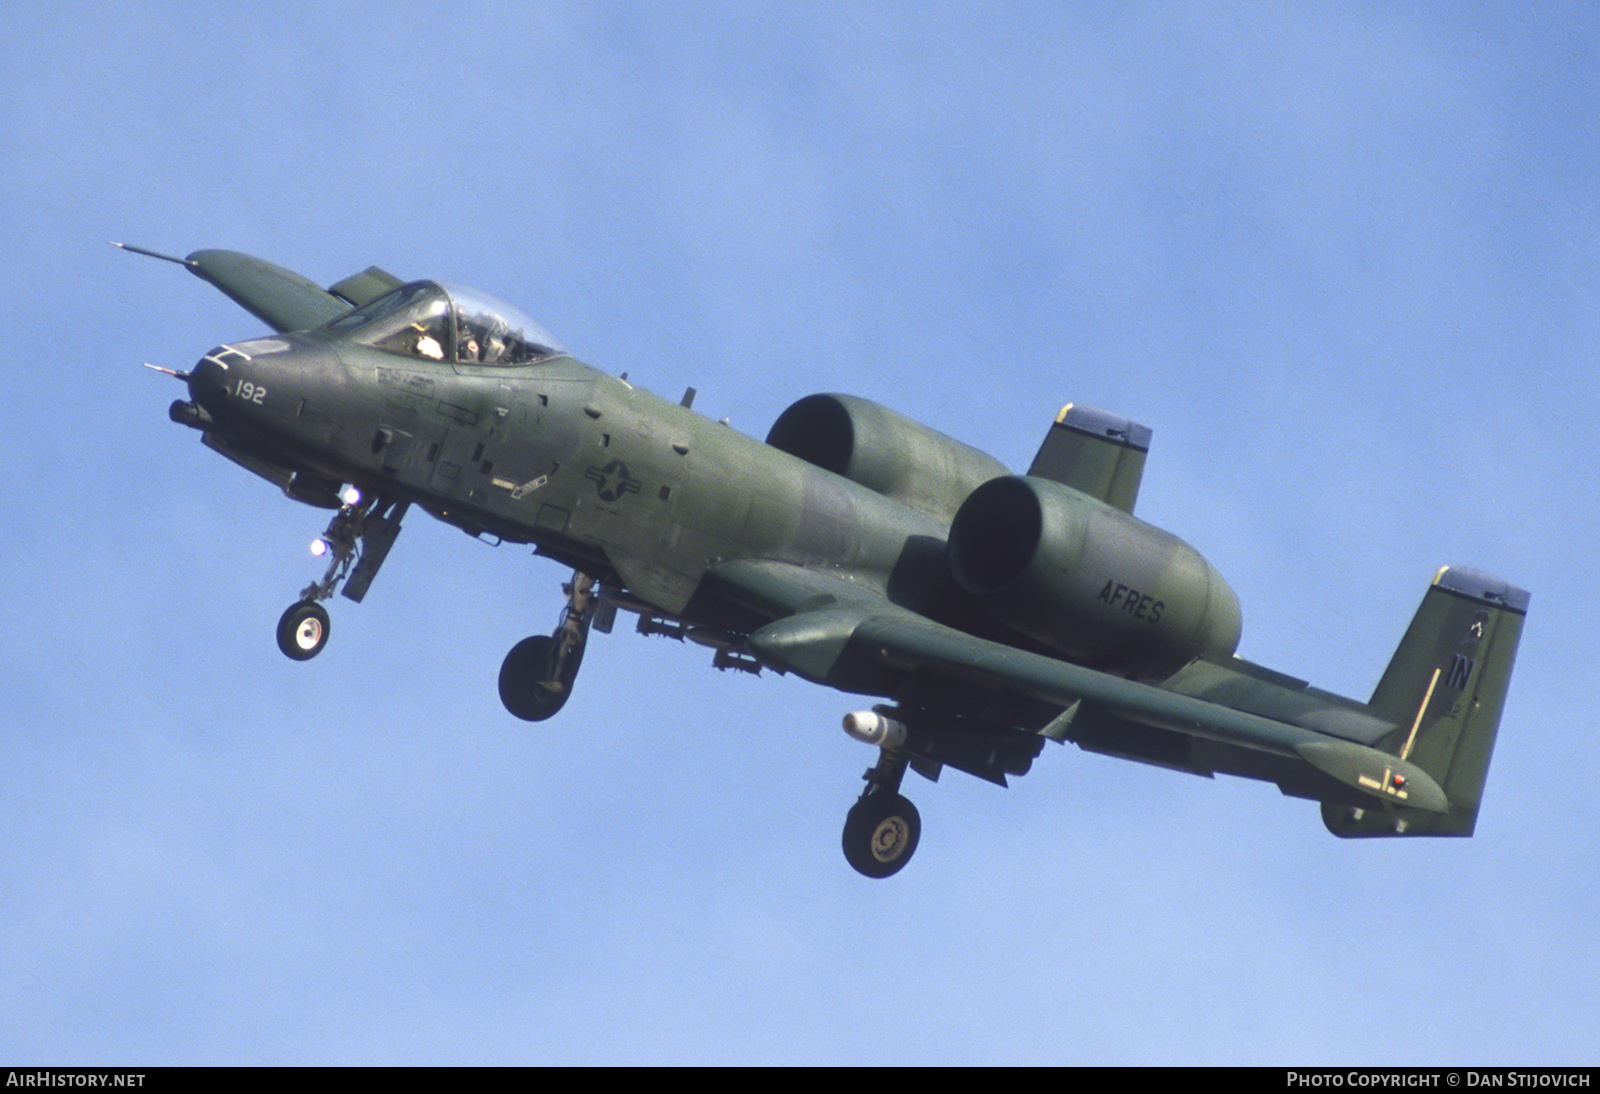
358, 537
537, 675
882, 829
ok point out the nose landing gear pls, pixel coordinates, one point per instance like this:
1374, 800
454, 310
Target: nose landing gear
359, 537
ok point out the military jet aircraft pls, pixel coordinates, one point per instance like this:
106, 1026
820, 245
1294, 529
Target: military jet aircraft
991, 612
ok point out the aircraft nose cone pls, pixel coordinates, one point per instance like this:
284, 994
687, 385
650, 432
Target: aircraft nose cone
208, 381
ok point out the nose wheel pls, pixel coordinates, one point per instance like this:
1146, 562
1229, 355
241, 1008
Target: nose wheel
303, 630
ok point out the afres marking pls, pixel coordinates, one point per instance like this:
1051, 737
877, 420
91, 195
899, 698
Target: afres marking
1135, 603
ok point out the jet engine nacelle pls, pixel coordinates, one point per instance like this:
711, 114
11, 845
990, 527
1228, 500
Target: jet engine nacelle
884, 451
1088, 580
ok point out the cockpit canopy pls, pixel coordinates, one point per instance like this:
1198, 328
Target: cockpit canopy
447, 323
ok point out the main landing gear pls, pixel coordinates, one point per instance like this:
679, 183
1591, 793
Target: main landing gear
882, 828
537, 675
358, 537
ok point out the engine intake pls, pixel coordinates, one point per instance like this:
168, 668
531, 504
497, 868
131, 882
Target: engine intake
1088, 580
884, 451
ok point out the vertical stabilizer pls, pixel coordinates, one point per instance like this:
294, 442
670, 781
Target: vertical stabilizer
1095, 453
1444, 689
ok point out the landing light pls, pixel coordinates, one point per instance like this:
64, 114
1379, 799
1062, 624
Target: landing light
319, 546
351, 496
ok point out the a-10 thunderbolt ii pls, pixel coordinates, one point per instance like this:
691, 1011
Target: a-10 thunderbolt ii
854, 547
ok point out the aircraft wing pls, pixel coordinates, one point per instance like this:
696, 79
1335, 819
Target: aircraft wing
838, 628
283, 299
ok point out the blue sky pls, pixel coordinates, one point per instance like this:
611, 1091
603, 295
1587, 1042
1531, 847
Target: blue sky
1342, 260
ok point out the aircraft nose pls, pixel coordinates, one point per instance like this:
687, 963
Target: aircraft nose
262, 384
232, 380
208, 380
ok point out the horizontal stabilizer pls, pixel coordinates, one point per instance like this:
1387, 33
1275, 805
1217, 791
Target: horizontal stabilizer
1096, 453
1401, 783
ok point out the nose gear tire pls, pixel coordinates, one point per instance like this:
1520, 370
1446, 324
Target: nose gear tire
303, 630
